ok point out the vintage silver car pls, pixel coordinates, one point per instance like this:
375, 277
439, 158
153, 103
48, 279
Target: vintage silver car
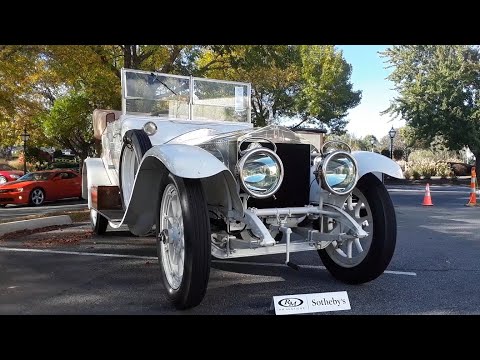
183, 159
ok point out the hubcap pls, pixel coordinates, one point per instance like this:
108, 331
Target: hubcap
350, 253
172, 239
129, 169
37, 196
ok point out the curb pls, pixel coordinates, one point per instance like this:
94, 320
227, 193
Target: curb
31, 224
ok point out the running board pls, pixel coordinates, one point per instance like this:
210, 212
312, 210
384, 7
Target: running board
106, 200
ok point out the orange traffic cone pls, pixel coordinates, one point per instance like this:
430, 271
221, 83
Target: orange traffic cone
427, 199
473, 195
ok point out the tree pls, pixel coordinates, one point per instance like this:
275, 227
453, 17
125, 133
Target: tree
309, 83
69, 125
438, 87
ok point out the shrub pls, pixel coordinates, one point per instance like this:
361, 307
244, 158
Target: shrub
385, 152
407, 174
398, 154
64, 165
415, 174
442, 169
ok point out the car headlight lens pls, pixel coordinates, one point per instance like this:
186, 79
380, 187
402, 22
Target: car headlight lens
150, 128
19, 189
338, 172
260, 172
14, 176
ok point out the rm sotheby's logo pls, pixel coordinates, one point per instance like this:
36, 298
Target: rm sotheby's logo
290, 302
310, 303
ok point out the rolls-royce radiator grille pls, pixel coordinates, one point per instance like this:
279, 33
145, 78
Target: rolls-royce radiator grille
294, 190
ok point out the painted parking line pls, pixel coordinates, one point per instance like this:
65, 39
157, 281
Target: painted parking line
408, 273
126, 256
79, 253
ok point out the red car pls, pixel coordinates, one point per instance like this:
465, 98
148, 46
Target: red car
37, 187
8, 173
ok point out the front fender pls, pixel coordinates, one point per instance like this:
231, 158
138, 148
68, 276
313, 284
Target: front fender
183, 161
371, 162
186, 161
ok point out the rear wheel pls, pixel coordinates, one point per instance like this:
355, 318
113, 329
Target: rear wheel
361, 260
135, 144
183, 241
37, 197
98, 222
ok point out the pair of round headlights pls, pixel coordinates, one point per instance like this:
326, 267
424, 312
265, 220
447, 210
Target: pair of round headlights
261, 172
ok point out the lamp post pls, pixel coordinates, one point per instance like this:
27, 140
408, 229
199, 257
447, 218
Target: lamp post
25, 136
372, 141
392, 134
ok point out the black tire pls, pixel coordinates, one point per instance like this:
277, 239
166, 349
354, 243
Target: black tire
197, 247
383, 240
34, 197
134, 140
98, 222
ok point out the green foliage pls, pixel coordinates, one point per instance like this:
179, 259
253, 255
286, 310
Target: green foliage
52, 89
311, 83
407, 174
442, 169
35, 154
69, 123
438, 88
448, 156
398, 154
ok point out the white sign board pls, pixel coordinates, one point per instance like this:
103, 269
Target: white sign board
311, 303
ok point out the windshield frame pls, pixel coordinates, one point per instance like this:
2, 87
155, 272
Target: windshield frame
192, 103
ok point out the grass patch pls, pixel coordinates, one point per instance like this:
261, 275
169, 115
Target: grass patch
76, 216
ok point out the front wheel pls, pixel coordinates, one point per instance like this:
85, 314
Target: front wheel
361, 260
37, 197
183, 241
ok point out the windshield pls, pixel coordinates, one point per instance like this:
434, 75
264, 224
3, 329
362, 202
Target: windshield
36, 176
183, 97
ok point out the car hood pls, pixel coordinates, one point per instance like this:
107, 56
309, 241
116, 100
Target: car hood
16, 184
274, 133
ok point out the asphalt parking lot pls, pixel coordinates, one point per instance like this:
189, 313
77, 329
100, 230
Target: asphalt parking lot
435, 270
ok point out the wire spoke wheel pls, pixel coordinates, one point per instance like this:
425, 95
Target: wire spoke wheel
356, 261
352, 252
173, 249
183, 240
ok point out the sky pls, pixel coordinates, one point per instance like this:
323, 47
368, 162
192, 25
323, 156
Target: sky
369, 75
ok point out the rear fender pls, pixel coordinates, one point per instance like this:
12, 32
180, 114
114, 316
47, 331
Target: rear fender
93, 174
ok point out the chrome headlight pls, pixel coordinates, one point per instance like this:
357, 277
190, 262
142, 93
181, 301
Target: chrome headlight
14, 176
260, 172
150, 128
338, 172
